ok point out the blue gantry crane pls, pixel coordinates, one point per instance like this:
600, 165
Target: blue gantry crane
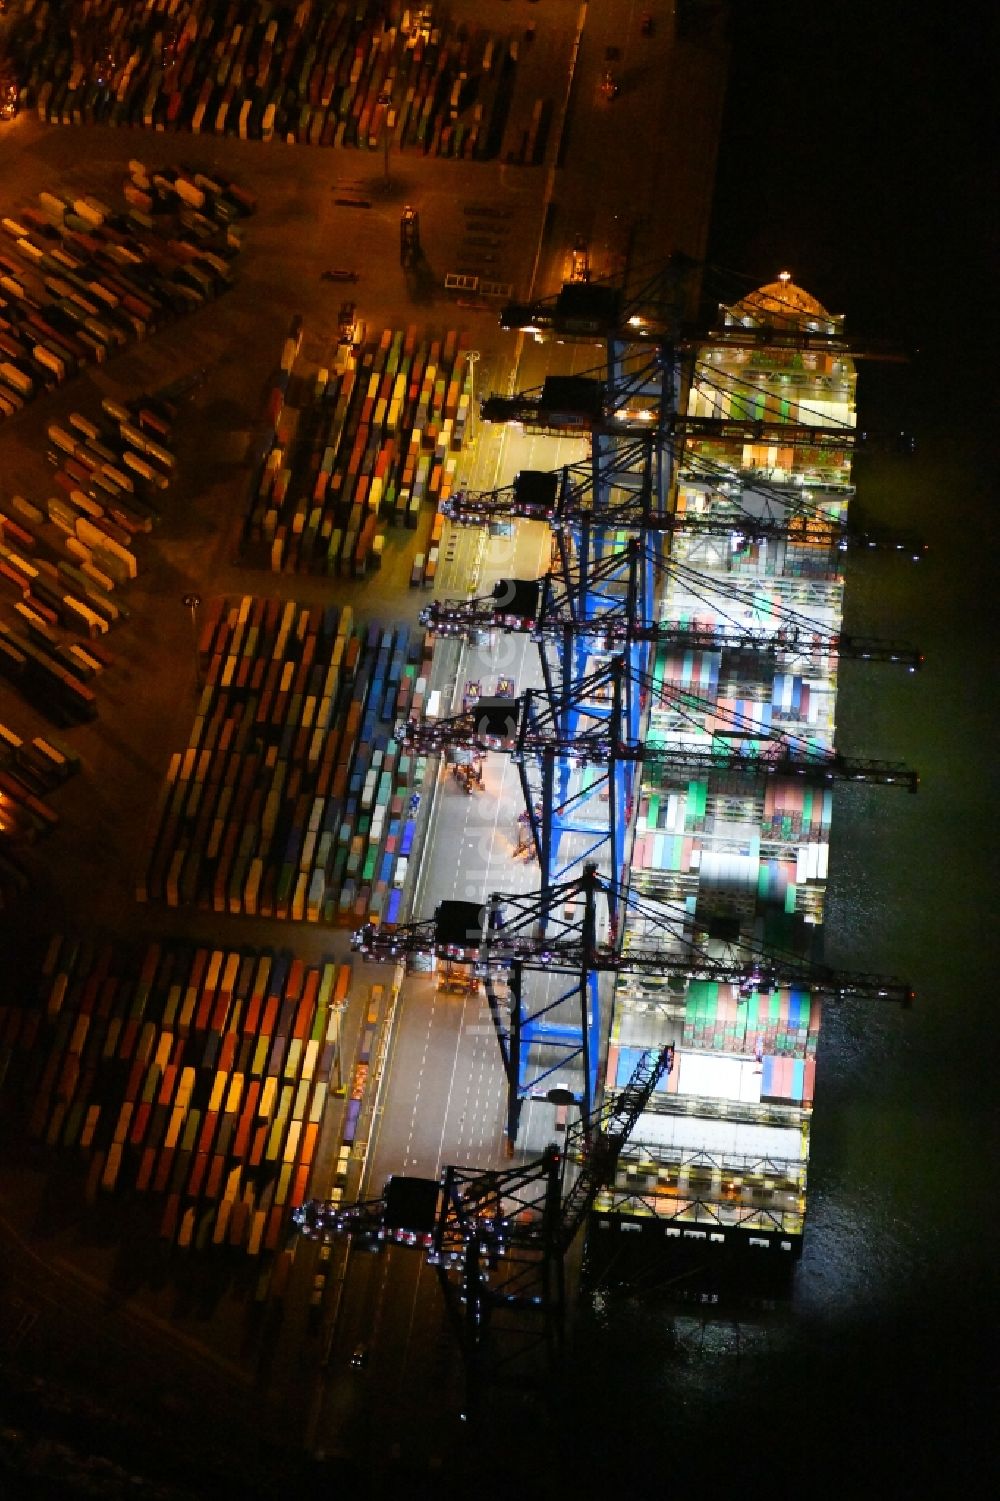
534, 950
580, 740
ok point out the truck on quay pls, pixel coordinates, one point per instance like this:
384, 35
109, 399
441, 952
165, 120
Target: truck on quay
409, 238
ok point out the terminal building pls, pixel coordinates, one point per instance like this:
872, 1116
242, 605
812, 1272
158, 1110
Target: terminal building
719, 1160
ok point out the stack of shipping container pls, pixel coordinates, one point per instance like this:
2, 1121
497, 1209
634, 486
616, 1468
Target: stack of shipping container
196, 1076
29, 771
743, 858
64, 564
84, 279
292, 797
370, 443
332, 75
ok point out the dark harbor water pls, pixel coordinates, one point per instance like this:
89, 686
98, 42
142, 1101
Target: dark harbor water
853, 156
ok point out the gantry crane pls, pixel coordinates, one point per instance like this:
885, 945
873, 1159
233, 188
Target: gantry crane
621, 487
579, 740
604, 614
562, 937
579, 748
548, 608
650, 354
524, 727
499, 1237
635, 370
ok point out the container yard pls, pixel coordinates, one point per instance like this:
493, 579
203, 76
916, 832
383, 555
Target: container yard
86, 279
340, 75
68, 561
347, 449
292, 798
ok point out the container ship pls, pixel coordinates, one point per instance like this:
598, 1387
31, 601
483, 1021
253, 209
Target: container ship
717, 1165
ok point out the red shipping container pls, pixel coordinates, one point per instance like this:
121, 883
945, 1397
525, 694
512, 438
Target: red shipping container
140, 1121
809, 1081
203, 1011
197, 1174
220, 1013
145, 1169
296, 977
227, 1052
300, 1187
207, 1132
68, 1076
135, 1078
163, 1168
215, 1176
272, 1234
258, 1145
168, 1225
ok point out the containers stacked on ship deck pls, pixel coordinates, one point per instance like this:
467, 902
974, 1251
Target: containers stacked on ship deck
720, 1157
316, 74
196, 1076
83, 279
370, 443
291, 799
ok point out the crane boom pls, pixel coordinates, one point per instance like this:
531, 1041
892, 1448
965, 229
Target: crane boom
468, 617
754, 975
466, 508
527, 930
512, 726
616, 1122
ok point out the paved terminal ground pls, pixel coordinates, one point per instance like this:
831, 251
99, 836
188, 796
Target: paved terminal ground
635, 179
